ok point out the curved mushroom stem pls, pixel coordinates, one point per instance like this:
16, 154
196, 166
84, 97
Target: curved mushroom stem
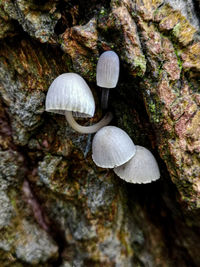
104, 98
88, 129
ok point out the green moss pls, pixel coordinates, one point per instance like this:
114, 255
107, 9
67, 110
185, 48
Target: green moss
176, 29
141, 63
179, 61
133, 14
60, 41
68, 63
13, 198
103, 12
156, 11
90, 73
160, 70
155, 115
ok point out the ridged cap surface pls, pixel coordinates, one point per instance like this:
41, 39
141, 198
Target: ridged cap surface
141, 169
112, 147
69, 91
108, 70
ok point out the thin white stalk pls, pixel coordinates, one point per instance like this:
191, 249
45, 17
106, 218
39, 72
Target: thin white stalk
104, 98
88, 129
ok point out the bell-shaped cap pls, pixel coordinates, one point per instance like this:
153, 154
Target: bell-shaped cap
108, 70
141, 169
112, 147
70, 92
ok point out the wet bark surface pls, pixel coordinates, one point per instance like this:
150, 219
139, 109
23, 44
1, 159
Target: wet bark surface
56, 207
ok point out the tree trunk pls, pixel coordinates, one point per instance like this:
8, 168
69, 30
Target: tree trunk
57, 208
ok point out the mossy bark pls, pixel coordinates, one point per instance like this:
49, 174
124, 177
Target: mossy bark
56, 207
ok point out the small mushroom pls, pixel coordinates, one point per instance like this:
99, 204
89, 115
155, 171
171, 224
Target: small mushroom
70, 93
142, 168
112, 147
107, 74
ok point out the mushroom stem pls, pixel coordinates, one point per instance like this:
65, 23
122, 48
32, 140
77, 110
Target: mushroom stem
104, 98
88, 129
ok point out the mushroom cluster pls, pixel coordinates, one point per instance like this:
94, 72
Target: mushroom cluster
113, 148
70, 95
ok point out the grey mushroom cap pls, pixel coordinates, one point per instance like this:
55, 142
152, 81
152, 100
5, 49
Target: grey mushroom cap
112, 147
108, 70
70, 92
142, 168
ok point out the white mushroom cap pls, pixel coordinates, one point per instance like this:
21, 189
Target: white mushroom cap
112, 147
108, 70
70, 92
141, 169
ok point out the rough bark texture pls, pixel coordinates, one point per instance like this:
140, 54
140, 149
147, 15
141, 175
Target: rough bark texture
56, 207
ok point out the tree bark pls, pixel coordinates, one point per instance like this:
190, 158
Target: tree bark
56, 207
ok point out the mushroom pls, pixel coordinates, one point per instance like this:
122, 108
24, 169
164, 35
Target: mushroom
112, 147
141, 168
70, 93
107, 74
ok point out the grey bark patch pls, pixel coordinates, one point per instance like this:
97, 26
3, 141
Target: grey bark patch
6, 211
34, 245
